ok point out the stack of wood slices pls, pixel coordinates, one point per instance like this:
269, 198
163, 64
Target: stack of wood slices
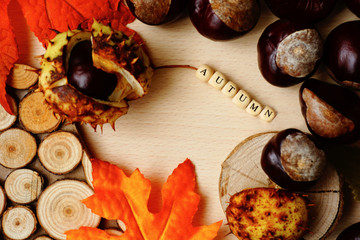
45, 171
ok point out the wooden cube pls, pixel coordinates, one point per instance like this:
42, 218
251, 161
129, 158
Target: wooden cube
241, 99
204, 73
230, 89
267, 114
254, 108
217, 80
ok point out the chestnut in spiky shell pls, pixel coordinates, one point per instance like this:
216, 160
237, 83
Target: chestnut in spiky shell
331, 112
293, 159
156, 12
89, 75
289, 52
224, 20
301, 10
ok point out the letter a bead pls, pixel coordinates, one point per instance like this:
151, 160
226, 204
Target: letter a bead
254, 108
217, 80
267, 114
204, 73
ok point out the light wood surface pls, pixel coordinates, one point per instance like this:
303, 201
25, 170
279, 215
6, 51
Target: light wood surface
183, 118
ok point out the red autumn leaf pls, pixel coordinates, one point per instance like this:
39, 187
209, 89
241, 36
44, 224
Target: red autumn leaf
8, 54
45, 16
126, 198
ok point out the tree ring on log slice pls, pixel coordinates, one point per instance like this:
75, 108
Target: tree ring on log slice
242, 169
87, 166
2, 200
60, 152
6, 119
17, 148
23, 186
22, 76
18, 223
36, 115
59, 208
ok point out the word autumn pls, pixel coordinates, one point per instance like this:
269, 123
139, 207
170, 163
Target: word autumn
239, 97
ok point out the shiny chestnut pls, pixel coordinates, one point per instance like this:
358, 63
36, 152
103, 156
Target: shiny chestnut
354, 6
289, 52
156, 12
350, 233
301, 10
331, 112
342, 54
223, 20
293, 160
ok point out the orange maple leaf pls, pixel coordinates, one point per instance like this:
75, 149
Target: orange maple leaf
126, 198
8, 54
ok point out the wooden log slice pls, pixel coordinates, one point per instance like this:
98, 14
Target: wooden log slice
7, 119
17, 148
35, 114
60, 152
22, 76
23, 186
18, 223
242, 169
2, 200
87, 166
60, 208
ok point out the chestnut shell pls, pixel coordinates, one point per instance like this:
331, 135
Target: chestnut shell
350, 233
267, 48
175, 10
301, 10
354, 6
342, 99
208, 24
342, 54
271, 162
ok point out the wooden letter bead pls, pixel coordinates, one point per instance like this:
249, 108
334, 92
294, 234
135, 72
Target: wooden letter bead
254, 108
217, 80
241, 99
267, 114
230, 89
204, 73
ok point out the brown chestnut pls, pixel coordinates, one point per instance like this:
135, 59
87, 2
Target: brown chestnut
156, 12
350, 233
331, 112
293, 160
301, 10
354, 6
342, 54
289, 52
223, 20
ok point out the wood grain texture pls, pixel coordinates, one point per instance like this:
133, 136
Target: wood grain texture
183, 117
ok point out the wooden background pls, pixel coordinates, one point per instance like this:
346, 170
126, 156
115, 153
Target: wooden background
183, 118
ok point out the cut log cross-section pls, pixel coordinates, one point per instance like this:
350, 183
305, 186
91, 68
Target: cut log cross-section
60, 208
17, 148
19, 223
242, 170
60, 152
23, 186
22, 76
36, 116
2, 200
7, 119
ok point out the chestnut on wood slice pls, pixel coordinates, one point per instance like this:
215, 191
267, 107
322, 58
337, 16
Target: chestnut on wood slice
350, 233
224, 20
242, 169
354, 6
342, 54
331, 112
301, 10
289, 52
156, 12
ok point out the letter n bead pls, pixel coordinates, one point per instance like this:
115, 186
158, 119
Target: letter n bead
204, 73
267, 114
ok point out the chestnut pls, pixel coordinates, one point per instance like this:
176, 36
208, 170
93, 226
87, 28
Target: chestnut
156, 12
289, 52
354, 6
293, 159
350, 233
342, 54
331, 112
303, 10
86, 78
224, 20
